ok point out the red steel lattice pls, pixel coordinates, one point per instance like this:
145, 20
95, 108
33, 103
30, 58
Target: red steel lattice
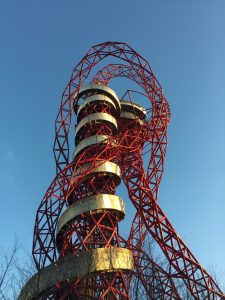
124, 147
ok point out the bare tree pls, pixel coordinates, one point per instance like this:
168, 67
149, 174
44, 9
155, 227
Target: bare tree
7, 268
16, 267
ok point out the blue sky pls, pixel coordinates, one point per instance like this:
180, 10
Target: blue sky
184, 41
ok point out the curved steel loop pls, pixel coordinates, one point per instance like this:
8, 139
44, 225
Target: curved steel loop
81, 72
155, 130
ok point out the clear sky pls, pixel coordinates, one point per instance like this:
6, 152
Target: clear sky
184, 41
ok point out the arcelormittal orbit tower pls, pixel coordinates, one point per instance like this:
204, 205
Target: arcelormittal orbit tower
78, 248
